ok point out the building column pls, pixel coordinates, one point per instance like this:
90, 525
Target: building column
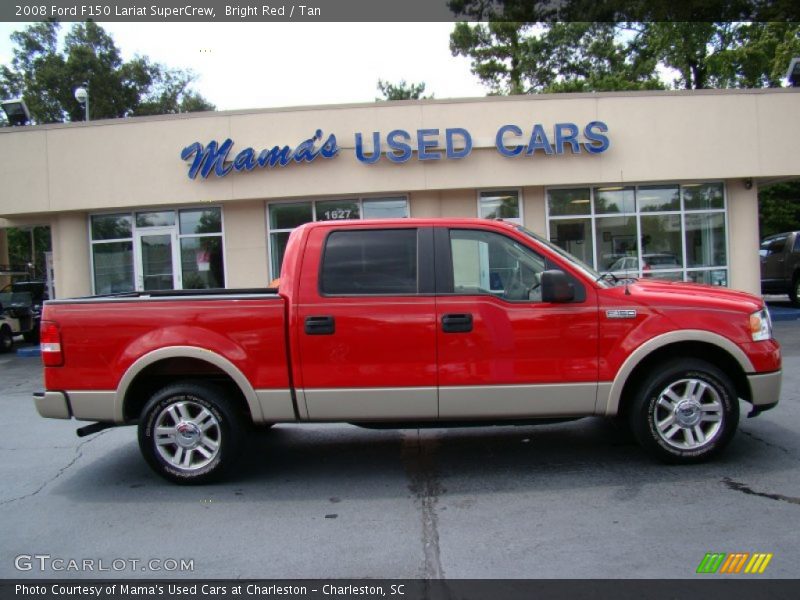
71, 255
245, 244
744, 266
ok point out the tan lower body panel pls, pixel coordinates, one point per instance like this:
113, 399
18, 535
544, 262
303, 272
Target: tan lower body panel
93, 406
517, 401
369, 404
276, 405
765, 387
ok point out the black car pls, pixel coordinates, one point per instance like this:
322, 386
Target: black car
780, 265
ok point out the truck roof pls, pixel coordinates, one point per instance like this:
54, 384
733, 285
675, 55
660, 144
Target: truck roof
401, 222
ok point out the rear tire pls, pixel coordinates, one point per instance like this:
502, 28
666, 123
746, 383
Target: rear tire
191, 433
6, 339
685, 412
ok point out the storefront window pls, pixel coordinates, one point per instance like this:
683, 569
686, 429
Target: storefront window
201, 262
199, 221
569, 202
164, 218
617, 249
666, 231
575, 236
659, 198
131, 252
500, 205
286, 216
614, 200
113, 267
111, 227
705, 240
385, 208
702, 196
662, 246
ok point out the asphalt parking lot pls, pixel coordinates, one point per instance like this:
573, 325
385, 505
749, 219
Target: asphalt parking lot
571, 500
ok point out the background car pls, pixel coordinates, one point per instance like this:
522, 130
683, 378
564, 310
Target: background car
780, 265
648, 262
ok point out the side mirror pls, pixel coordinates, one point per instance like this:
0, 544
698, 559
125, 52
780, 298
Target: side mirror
556, 287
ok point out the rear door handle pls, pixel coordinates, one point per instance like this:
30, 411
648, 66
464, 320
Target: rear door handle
457, 323
322, 325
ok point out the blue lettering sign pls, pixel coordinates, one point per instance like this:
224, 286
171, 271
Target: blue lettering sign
404, 148
539, 141
214, 156
499, 140
423, 144
567, 133
590, 133
465, 137
376, 149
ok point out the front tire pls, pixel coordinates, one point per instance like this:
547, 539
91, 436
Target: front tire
190, 433
686, 412
794, 291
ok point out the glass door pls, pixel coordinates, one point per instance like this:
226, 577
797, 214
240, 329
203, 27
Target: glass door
157, 261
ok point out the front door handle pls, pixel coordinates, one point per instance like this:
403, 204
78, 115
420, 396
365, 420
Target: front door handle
457, 323
322, 325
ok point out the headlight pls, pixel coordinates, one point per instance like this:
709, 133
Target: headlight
761, 325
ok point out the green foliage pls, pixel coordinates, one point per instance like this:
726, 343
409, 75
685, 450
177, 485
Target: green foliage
520, 58
527, 57
401, 91
46, 77
779, 208
19, 248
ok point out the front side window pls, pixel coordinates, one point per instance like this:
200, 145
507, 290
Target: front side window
489, 263
365, 262
774, 245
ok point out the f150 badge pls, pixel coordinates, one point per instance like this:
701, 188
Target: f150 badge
621, 313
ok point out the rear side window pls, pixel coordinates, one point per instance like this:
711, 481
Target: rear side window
796, 243
368, 262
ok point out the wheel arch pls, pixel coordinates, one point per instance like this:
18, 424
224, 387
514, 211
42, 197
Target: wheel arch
128, 400
703, 345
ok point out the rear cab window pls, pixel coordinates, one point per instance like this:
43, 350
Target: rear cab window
370, 262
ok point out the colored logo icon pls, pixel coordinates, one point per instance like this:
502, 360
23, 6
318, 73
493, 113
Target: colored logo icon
734, 563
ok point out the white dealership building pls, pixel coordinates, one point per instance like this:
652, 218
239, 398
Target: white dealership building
655, 183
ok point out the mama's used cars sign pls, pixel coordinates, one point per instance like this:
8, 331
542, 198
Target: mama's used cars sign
398, 146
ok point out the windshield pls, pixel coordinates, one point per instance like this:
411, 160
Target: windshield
575, 261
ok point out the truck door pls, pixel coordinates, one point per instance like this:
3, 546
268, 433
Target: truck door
366, 324
502, 351
773, 261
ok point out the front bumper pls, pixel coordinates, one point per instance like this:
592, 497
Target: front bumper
765, 390
53, 405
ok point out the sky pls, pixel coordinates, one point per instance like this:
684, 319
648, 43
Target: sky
266, 65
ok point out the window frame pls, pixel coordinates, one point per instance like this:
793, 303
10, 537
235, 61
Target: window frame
682, 212
178, 235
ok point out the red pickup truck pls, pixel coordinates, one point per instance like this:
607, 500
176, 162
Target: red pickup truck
410, 323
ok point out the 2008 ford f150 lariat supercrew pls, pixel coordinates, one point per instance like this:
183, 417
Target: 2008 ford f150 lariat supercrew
411, 323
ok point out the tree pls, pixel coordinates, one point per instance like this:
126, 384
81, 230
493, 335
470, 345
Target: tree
401, 91
46, 77
523, 57
528, 57
779, 208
